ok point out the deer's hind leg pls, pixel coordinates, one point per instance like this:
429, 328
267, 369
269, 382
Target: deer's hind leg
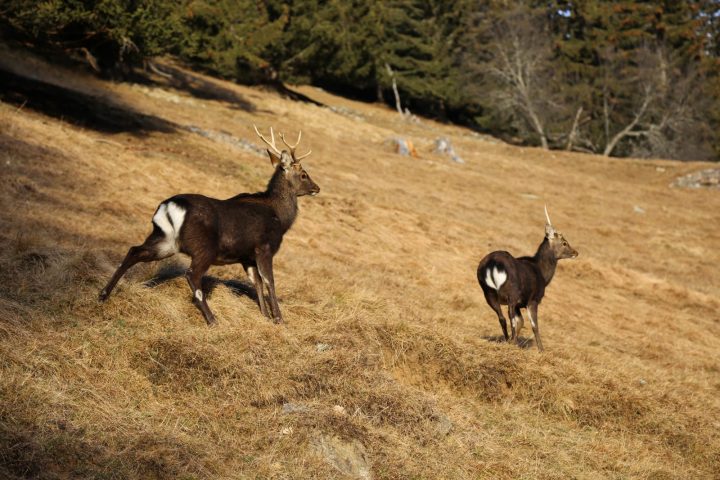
494, 301
152, 249
199, 265
517, 321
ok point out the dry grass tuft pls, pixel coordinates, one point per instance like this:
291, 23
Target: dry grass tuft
389, 366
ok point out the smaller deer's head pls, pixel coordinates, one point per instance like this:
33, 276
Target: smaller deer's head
559, 245
296, 176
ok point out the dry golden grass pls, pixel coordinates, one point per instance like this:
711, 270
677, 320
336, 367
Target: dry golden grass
387, 367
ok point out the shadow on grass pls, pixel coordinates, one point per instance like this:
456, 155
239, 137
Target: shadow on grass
82, 109
58, 449
203, 89
287, 92
524, 342
209, 283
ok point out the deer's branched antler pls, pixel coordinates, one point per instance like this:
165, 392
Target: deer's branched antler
270, 143
293, 147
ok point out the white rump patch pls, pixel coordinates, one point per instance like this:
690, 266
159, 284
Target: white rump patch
169, 218
495, 278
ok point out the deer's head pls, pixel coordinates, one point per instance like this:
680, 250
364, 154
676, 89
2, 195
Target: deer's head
559, 245
293, 171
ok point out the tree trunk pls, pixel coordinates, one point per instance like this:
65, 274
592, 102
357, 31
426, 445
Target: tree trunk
395, 89
574, 129
379, 92
628, 130
534, 119
538, 127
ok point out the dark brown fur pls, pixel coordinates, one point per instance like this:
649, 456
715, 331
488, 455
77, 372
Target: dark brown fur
527, 278
246, 229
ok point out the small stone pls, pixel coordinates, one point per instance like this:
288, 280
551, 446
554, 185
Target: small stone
402, 146
339, 411
444, 147
638, 209
323, 347
347, 456
286, 431
288, 408
708, 178
642, 381
443, 425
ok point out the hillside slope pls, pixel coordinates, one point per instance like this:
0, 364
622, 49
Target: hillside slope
389, 365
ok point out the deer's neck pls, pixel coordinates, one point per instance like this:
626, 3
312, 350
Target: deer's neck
282, 198
545, 260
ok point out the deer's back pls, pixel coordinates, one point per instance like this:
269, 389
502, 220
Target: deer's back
229, 229
513, 280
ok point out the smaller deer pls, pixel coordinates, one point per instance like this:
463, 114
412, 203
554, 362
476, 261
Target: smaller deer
247, 229
520, 282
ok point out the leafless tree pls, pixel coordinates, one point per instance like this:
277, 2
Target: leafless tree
521, 50
664, 116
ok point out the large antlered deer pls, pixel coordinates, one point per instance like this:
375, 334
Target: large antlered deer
247, 228
521, 282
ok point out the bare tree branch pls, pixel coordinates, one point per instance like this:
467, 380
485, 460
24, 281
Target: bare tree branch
518, 60
395, 89
574, 129
628, 130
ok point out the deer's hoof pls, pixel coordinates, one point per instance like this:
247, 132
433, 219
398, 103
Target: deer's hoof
103, 296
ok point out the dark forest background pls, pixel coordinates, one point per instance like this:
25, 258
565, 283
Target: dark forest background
621, 78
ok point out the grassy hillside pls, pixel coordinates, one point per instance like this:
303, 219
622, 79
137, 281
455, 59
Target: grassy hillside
389, 365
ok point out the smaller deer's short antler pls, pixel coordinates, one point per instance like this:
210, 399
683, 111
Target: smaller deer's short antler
549, 229
547, 216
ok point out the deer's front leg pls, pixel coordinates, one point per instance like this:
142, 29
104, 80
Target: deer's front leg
263, 257
532, 313
258, 284
517, 322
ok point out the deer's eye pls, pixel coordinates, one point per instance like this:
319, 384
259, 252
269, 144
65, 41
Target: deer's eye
564, 243
304, 176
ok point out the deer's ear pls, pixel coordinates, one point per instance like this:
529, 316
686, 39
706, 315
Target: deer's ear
274, 159
283, 159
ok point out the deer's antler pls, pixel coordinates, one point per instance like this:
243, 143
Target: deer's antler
547, 216
293, 147
270, 143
